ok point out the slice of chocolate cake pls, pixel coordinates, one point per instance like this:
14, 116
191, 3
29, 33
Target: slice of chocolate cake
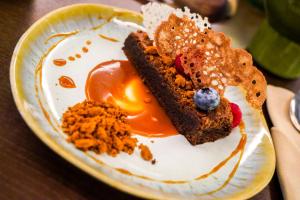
175, 93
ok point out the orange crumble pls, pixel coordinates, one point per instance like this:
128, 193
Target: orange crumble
102, 128
99, 127
145, 152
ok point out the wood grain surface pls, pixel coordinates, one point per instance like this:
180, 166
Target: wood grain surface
28, 168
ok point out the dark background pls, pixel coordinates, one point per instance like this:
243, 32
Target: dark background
28, 168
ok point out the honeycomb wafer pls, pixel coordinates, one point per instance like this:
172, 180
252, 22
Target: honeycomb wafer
208, 58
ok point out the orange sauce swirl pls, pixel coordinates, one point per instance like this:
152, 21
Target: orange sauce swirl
117, 81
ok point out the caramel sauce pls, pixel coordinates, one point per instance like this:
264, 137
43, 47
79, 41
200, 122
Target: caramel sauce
174, 182
66, 82
237, 150
38, 75
88, 42
59, 62
71, 58
108, 38
240, 148
46, 115
85, 50
117, 81
99, 26
67, 34
124, 171
231, 175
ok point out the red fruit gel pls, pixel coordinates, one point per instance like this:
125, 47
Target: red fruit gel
178, 65
237, 115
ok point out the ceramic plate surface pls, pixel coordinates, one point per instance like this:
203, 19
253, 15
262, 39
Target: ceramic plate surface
236, 167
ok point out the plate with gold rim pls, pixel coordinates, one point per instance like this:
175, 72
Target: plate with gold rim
49, 71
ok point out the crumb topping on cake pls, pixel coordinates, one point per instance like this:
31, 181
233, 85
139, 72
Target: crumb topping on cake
183, 85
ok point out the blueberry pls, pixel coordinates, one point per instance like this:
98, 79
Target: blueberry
207, 99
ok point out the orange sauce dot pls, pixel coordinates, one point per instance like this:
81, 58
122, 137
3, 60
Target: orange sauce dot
84, 49
71, 58
66, 82
78, 56
88, 42
59, 62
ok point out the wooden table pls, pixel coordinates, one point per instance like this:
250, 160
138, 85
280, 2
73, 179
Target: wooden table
28, 168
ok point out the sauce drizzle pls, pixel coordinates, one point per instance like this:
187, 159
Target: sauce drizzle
59, 62
108, 38
66, 82
67, 34
38, 75
240, 147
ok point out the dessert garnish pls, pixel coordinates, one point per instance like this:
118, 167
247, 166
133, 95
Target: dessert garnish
154, 14
205, 55
207, 99
101, 128
145, 152
237, 115
178, 65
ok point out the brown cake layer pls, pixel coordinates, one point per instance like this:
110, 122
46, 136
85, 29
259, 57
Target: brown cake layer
175, 93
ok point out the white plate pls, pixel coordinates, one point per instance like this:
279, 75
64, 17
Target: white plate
41, 101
